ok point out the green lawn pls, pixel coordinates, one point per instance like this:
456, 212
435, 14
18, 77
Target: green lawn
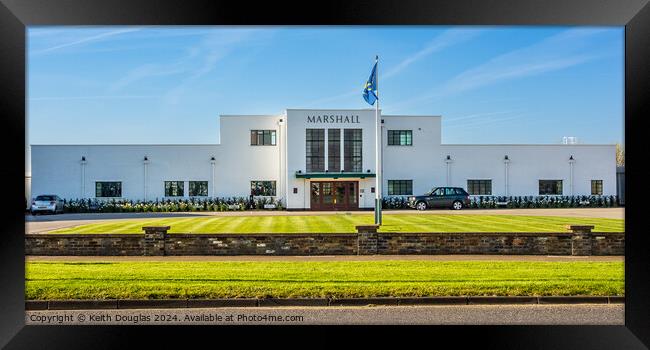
152, 280
345, 223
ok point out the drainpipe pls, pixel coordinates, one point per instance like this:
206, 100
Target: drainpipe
279, 142
212, 164
448, 162
506, 162
571, 162
145, 163
83, 176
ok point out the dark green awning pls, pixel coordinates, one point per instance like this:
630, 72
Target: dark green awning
333, 175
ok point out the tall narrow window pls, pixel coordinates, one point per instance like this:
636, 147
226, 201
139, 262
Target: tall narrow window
315, 153
479, 187
334, 149
550, 187
596, 187
263, 138
198, 188
400, 137
108, 189
352, 150
174, 188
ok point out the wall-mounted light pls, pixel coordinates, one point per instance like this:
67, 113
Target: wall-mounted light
506, 157
571, 158
146, 158
83, 158
212, 159
368, 171
327, 171
299, 171
448, 157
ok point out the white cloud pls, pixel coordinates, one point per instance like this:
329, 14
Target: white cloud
444, 40
93, 38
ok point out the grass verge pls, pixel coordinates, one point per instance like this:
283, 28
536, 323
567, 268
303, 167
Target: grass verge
160, 280
346, 223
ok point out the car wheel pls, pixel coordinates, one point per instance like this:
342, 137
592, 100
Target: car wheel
458, 205
421, 206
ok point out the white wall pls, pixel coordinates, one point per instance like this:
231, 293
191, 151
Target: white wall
56, 169
419, 162
531, 163
297, 122
239, 163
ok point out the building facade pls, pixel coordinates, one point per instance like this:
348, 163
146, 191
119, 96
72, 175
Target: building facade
320, 159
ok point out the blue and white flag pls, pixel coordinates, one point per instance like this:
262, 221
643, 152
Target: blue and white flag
370, 90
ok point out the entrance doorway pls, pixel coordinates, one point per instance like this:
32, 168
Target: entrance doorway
334, 195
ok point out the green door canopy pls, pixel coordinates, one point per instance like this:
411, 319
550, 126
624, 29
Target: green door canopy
333, 175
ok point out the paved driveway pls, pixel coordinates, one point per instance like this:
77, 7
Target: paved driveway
44, 223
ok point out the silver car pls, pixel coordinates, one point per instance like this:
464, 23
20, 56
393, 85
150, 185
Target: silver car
47, 203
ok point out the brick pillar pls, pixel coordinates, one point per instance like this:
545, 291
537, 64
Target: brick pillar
367, 239
581, 240
154, 239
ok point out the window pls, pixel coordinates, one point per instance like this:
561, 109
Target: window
174, 188
479, 187
108, 189
400, 187
262, 137
550, 187
352, 148
400, 137
334, 149
315, 142
596, 187
262, 188
198, 188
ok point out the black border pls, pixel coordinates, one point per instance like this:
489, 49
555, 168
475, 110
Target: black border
16, 14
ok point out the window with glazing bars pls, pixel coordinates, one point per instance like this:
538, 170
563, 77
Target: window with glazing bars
550, 187
352, 150
596, 187
315, 152
400, 187
400, 137
262, 137
334, 149
479, 187
174, 188
108, 189
262, 188
198, 188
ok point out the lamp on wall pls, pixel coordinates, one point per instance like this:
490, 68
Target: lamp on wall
145, 158
448, 157
506, 157
368, 171
212, 159
83, 158
571, 158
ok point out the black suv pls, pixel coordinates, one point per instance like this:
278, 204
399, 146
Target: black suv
441, 197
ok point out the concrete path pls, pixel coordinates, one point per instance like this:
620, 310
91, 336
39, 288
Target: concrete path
549, 258
581, 314
44, 223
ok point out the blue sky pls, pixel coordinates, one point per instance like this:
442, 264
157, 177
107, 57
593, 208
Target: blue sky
105, 85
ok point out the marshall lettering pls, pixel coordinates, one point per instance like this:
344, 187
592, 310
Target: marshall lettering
350, 119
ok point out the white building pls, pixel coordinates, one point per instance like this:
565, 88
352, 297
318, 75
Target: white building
320, 159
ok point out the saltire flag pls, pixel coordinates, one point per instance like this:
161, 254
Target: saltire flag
370, 90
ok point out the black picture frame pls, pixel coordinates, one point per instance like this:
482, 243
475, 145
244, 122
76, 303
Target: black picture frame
15, 15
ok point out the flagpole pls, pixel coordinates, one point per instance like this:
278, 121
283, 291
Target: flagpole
378, 145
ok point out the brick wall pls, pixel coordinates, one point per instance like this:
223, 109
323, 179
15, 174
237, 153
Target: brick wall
513, 243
